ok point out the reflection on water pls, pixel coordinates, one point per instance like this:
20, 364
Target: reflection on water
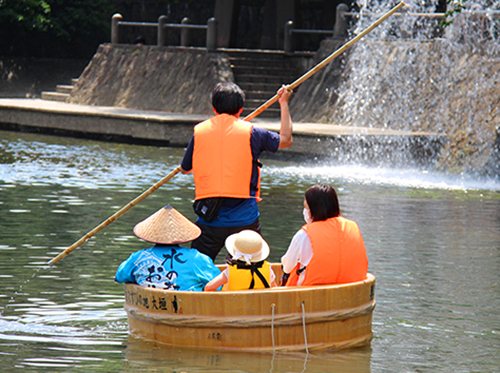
433, 242
140, 355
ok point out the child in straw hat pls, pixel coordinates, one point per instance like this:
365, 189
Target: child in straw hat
167, 265
248, 268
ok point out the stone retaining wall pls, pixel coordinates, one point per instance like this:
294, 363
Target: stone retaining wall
152, 78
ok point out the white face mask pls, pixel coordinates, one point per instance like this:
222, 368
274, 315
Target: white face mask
307, 215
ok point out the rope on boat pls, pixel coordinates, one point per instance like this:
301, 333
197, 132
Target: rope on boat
305, 363
273, 305
304, 325
272, 326
245, 321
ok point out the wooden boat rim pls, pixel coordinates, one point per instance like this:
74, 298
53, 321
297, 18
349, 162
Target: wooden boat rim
370, 278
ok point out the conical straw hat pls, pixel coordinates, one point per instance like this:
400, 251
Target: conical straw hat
167, 226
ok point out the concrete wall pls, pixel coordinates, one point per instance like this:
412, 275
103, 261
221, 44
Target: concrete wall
152, 78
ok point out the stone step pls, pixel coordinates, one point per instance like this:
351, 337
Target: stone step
256, 86
259, 53
62, 92
55, 96
270, 112
256, 78
64, 88
260, 74
256, 62
257, 103
263, 70
262, 53
259, 95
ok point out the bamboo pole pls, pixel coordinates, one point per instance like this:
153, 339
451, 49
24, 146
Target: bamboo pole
403, 14
115, 216
325, 62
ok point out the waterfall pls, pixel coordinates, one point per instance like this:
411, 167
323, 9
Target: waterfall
411, 74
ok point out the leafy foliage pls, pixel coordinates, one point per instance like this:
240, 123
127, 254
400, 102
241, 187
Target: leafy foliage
54, 28
457, 7
80, 18
25, 14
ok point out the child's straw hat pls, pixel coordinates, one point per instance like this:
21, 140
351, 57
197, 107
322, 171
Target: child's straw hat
247, 245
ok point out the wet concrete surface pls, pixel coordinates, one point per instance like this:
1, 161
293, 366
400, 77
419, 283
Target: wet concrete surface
160, 128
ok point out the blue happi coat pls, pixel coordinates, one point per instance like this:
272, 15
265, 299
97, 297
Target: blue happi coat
168, 267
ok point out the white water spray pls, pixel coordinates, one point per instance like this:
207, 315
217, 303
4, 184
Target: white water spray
410, 74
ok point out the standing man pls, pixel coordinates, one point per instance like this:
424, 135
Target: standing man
224, 158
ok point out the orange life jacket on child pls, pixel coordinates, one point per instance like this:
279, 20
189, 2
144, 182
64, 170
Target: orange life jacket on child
242, 278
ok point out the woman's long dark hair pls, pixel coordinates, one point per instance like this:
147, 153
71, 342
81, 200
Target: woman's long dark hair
323, 202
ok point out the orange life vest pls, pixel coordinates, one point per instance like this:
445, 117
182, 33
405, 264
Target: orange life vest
339, 253
241, 278
222, 158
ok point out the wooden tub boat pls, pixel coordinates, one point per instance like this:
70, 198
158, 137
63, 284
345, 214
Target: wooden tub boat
278, 319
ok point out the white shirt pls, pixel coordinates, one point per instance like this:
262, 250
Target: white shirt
299, 251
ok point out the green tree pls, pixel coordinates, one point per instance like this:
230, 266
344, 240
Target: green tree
26, 15
80, 25
54, 28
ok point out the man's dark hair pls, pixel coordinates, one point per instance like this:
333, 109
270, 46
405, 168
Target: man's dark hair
227, 98
323, 202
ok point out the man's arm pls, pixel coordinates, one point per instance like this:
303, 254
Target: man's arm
286, 128
187, 160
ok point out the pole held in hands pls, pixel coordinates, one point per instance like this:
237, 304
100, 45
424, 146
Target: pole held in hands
115, 216
325, 62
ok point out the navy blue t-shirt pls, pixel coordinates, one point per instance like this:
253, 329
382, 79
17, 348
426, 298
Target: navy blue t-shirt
236, 212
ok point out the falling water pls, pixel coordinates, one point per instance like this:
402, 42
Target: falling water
411, 74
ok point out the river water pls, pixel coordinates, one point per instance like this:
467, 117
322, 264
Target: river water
433, 243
